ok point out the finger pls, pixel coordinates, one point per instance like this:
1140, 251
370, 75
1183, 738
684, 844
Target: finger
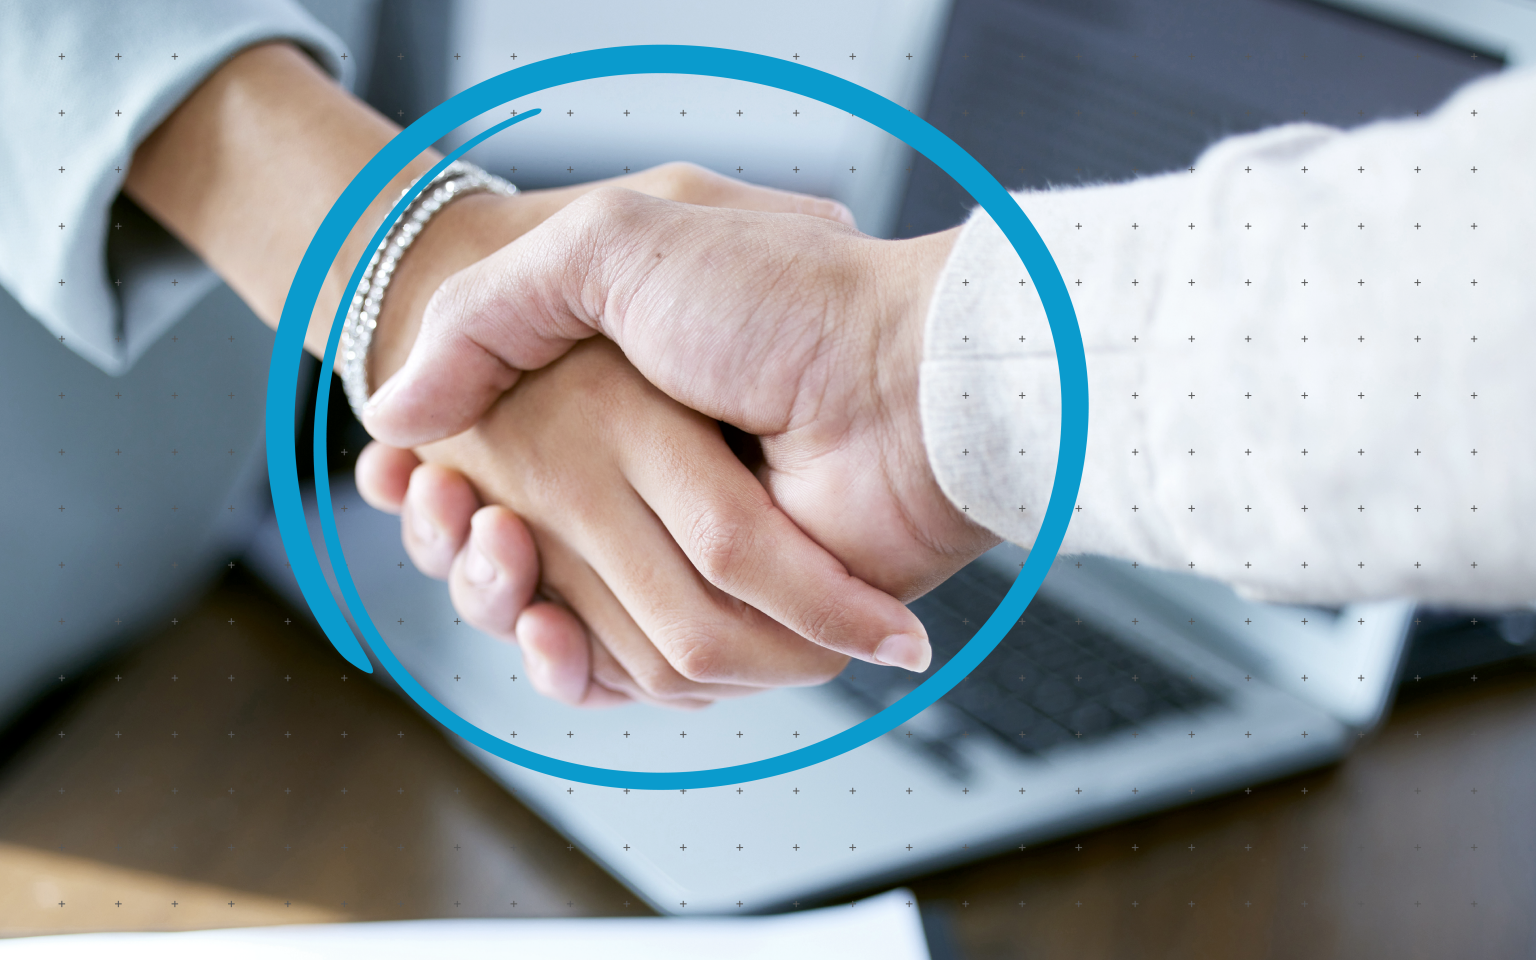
383, 473
435, 517
750, 196
691, 183
558, 657
743, 544
705, 636
610, 675
632, 664
493, 577
519, 309
479, 331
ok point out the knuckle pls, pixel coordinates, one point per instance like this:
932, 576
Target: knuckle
686, 168
699, 659
423, 557
442, 304
601, 202
824, 208
609, 675
478, 610
684, 180
694, 654
664, 682
455, 306
821, 622
595, 224
718, 545
453, 291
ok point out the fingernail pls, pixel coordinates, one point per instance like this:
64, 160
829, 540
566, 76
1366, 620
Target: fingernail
478, 568
425, 530
905, 651
538, 669
380, 395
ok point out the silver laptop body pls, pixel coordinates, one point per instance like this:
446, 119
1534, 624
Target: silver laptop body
1183, 690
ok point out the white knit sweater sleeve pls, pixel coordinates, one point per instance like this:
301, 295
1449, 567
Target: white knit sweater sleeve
1310, 360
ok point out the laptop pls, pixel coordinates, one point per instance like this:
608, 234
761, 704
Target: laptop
1122, 689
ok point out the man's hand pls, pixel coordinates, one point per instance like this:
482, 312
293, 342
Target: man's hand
491, 559
798, 330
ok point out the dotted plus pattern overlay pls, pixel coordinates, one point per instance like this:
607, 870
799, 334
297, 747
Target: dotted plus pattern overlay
1305, 360
1295, 338
81, 97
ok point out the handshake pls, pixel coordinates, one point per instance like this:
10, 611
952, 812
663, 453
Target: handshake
664, 431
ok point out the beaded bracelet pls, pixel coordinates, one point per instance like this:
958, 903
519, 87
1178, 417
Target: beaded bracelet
458, 179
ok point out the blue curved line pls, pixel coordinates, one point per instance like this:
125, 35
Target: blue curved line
700, 61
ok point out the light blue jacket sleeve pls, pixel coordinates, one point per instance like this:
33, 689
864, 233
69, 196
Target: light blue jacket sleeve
81, 85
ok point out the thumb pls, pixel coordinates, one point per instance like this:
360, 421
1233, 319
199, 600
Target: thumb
483, 326
521, 308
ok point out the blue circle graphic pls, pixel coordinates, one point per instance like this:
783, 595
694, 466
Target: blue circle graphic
282, 383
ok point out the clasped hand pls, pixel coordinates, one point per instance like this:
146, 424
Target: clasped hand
695, 431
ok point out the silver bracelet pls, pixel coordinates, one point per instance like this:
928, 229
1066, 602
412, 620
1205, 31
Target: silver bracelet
458, 179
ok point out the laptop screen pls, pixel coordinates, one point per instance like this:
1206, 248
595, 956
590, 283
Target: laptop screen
1061, 92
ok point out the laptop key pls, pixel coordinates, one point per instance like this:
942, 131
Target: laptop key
1054, 679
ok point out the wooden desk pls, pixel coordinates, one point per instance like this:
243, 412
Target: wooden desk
1421, 844
232, 774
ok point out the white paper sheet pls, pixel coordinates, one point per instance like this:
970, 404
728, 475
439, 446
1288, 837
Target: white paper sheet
886, 927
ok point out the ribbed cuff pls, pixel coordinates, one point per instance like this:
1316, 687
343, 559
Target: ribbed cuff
989, 387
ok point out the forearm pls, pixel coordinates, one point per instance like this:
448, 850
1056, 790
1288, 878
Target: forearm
246, 168
1204, 395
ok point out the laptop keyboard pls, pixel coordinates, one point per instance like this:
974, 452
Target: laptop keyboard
1052, 680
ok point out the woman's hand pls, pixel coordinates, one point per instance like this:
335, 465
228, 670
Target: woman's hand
610, 476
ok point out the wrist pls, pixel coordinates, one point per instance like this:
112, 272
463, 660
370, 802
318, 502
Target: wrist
927, 260
905, 276
461, 234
